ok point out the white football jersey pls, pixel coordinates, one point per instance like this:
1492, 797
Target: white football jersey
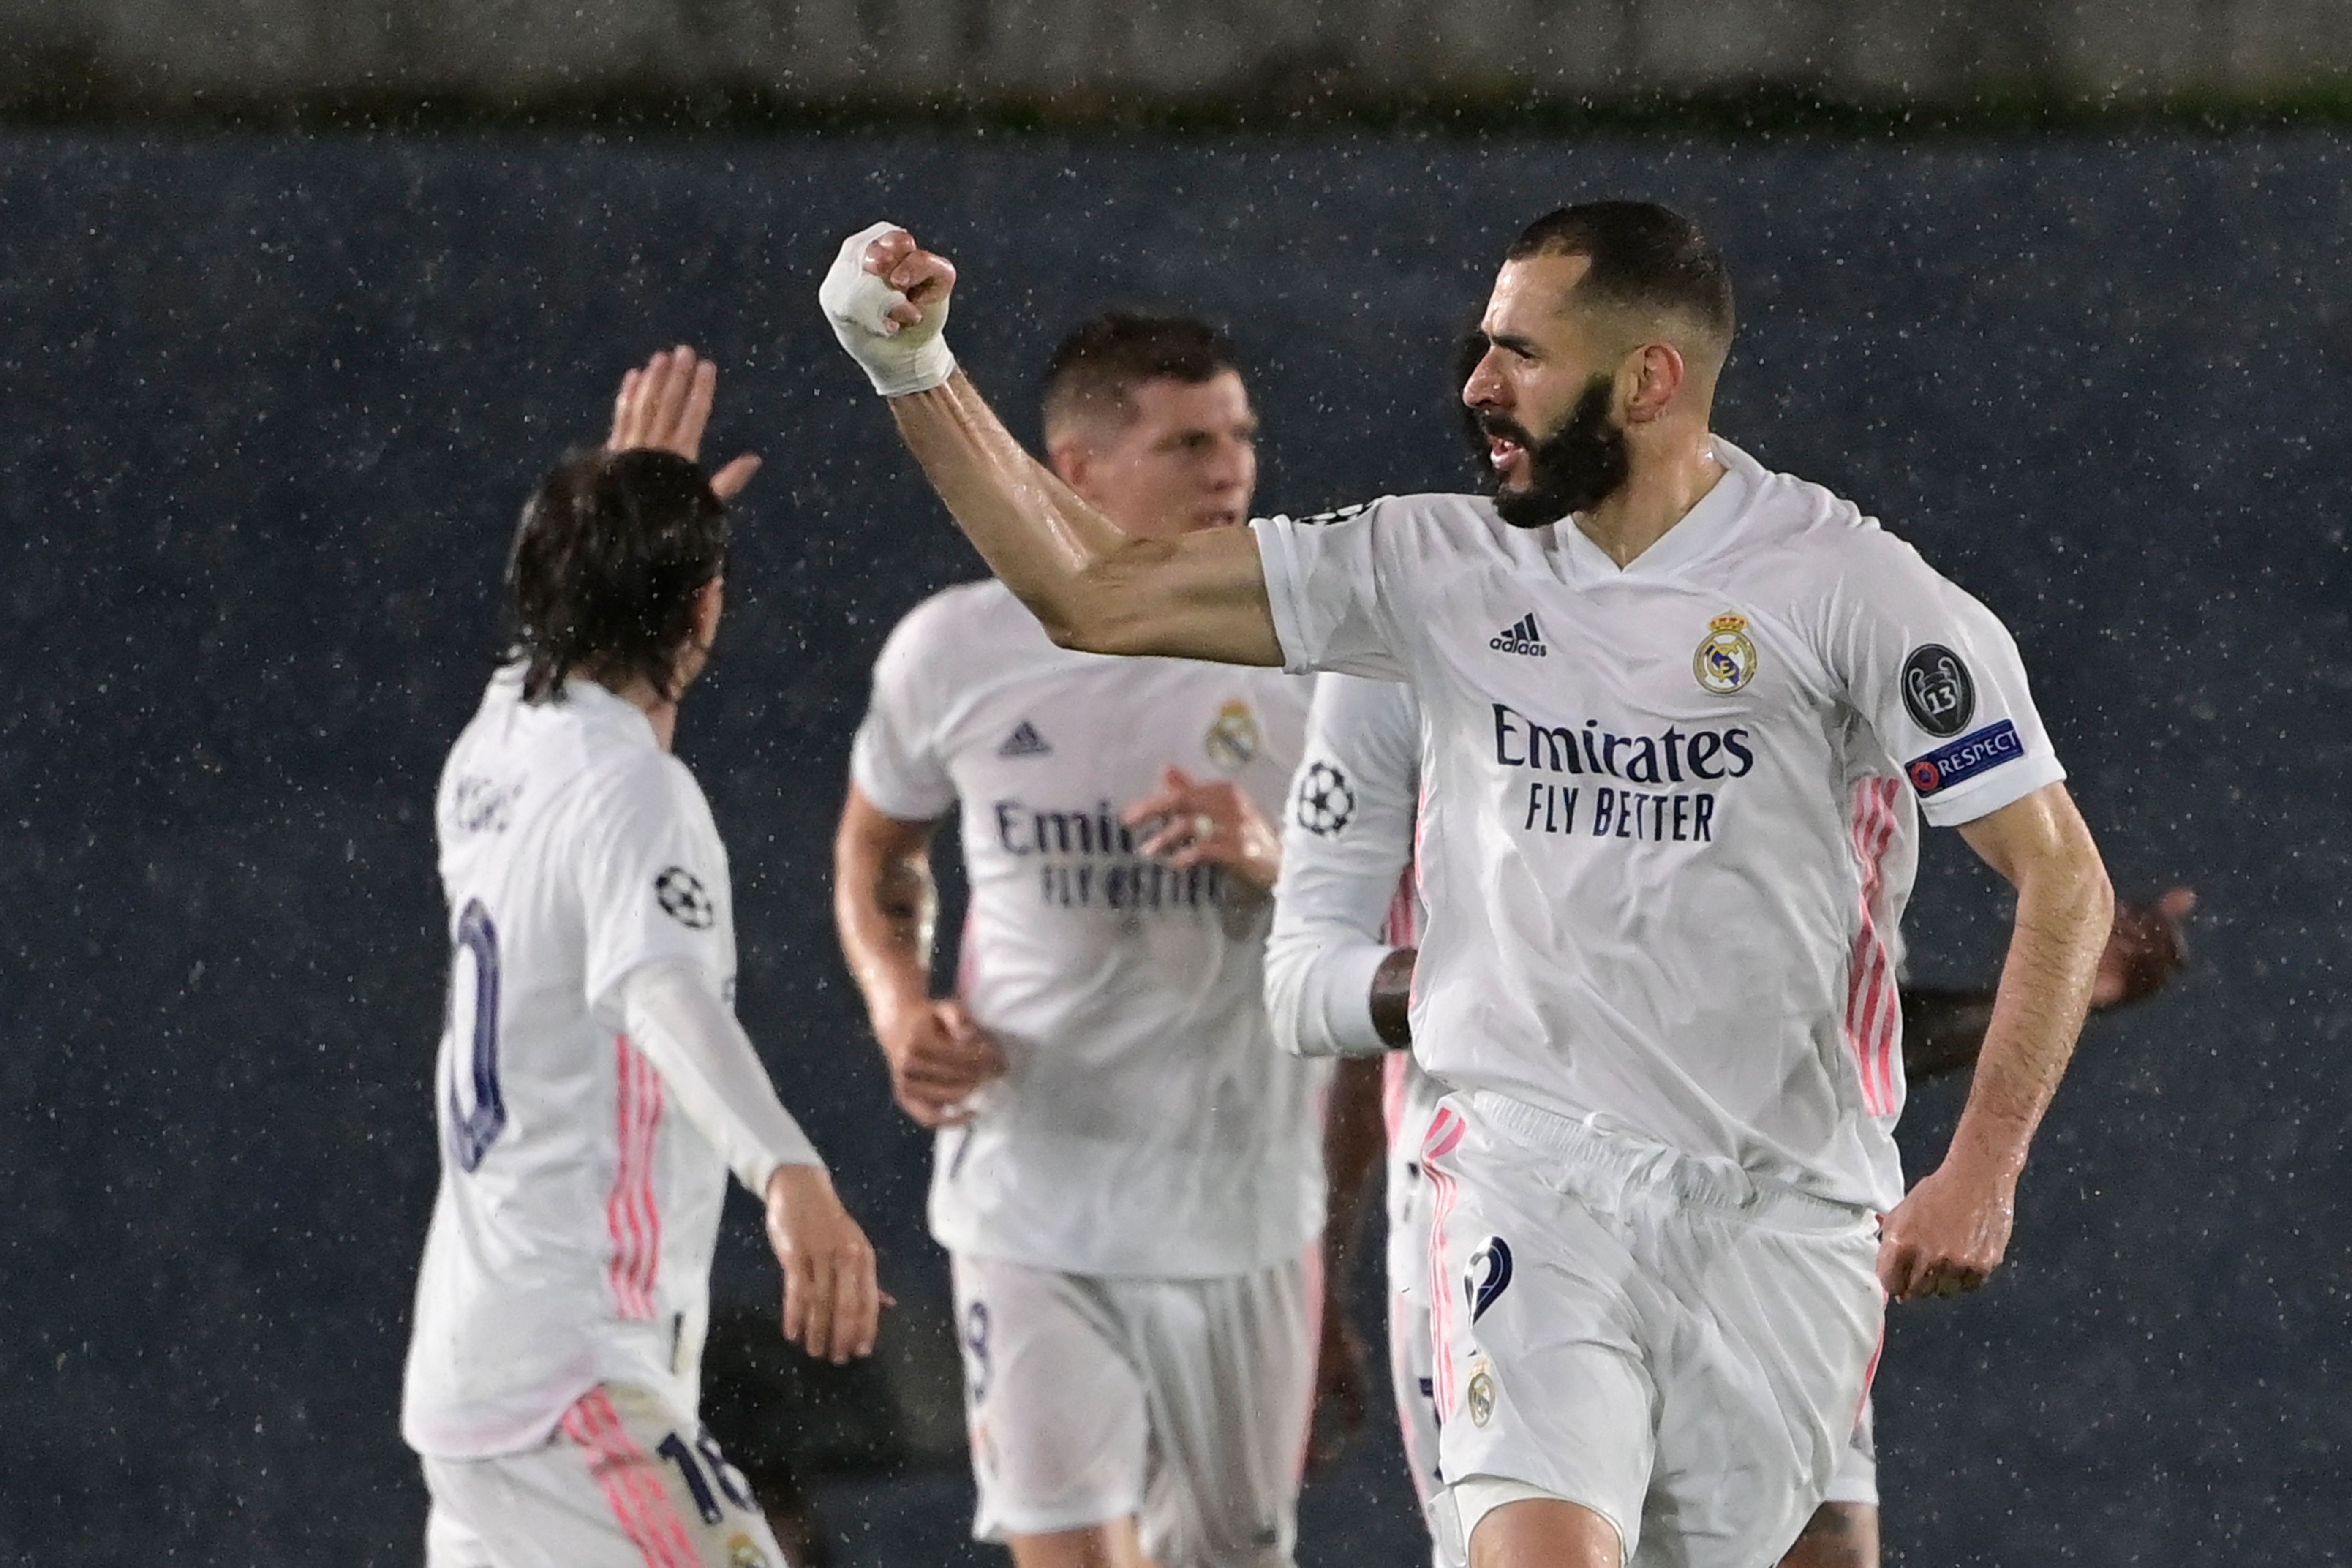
1148, 1125
572, 1238
1347, 896
1663, 841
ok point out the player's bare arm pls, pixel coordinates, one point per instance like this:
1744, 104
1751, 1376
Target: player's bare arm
1353, 1140
1944, 1027
1952, 1230
1093, 587
1391, 998
886, 906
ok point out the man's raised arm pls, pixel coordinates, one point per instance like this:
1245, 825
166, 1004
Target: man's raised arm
1093, 587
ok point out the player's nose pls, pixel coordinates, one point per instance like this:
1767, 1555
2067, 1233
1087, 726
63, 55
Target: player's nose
1483, 387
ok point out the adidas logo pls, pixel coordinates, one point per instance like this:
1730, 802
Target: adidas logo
1023, 742
1520, 637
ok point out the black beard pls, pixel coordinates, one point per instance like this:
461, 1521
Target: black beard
1574, 469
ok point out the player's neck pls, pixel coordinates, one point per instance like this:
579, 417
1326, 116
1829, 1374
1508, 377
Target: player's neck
1655, 495
660, 711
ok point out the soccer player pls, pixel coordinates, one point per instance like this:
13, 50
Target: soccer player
1339, 966
1651, 674
1126, 1175
594, 1088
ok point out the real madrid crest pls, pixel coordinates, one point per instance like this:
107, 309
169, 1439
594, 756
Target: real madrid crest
1726, 661
1233, 739
1480, 1396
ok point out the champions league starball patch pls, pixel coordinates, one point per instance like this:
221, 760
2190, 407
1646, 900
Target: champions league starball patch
1326, 801
683, 898
1725, 661
1233, 741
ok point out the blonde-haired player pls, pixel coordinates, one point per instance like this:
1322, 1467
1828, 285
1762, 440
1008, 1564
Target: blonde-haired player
1127, 1177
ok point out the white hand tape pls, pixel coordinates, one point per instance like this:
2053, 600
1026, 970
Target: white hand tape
897, 358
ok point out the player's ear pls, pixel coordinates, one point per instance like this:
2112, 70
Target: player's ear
1648, 380
1070, 458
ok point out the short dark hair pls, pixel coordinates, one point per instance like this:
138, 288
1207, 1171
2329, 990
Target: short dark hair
1642, 256
1100, 365
613, 550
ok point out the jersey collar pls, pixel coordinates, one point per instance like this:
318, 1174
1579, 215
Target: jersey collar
1707, 528
588, 703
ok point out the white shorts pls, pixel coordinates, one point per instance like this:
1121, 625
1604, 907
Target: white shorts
1662, 1338
1856, 1480
622, 1483
1412, 1368
1183, 1402
1410, 1360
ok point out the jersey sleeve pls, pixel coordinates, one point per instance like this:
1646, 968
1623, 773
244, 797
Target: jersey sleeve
652, 878
895, 760
1347, 841
1336, 589
1938, 680
674, 1015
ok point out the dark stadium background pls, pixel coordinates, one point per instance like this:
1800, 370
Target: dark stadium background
270, 405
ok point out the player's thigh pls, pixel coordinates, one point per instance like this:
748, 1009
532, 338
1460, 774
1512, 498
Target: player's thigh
1839, 1535
1229, 1375
624, 1483
1411, 1378
1537, 1340
1054, 1402
1761, 1382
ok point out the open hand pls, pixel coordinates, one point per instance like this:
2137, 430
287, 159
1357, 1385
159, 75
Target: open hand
664, 404
833, 1305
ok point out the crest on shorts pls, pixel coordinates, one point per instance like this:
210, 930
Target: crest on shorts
1726, 660
1233, 739
742, 1552
1480, 1396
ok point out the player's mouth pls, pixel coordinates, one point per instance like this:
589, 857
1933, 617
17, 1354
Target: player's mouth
1221, 517
1506, 450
